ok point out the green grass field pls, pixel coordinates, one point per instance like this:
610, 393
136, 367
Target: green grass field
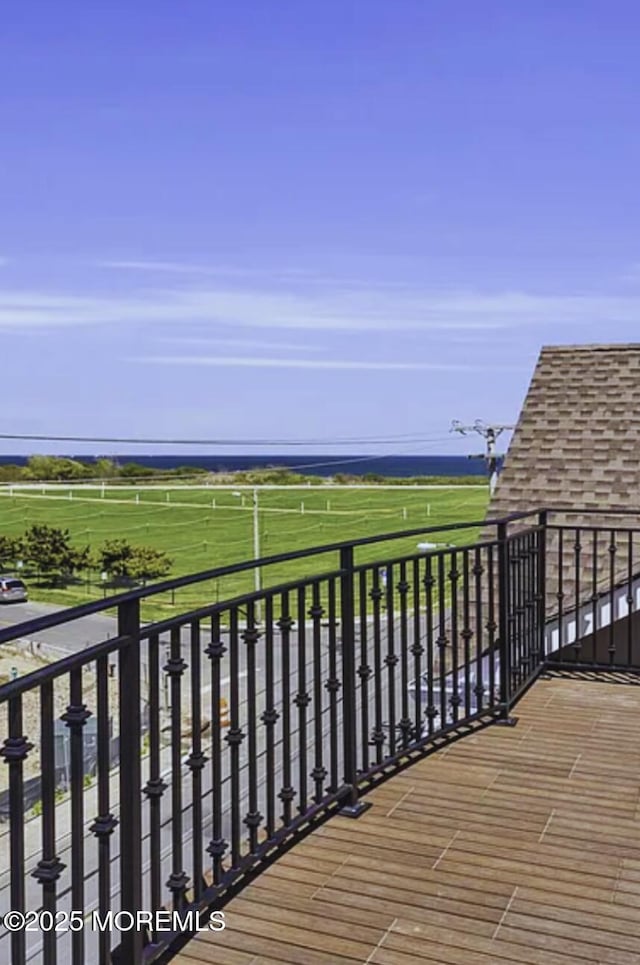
209, 527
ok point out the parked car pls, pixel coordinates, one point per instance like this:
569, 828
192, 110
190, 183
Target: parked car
12, 590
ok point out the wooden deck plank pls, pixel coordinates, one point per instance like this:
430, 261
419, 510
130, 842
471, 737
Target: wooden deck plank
513, 846
475, 944
560, 901
600, 928
324, 923
532, 938
224, 955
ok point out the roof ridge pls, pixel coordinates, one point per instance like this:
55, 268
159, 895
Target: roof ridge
595, 347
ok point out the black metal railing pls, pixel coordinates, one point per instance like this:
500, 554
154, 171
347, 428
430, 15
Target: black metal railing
243, 723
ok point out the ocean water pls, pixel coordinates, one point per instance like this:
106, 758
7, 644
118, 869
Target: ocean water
311, 463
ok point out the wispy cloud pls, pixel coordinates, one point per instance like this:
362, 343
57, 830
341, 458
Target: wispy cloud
273, 363
325, 310
283, 275
247, 343
169, 267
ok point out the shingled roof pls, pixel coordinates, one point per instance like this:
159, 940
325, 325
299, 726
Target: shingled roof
577, 445
577, 442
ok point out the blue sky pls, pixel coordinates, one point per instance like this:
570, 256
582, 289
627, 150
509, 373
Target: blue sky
292, 219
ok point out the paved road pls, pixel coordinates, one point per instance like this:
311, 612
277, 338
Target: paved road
71, 637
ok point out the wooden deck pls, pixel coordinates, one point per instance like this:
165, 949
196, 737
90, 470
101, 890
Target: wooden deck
514, 845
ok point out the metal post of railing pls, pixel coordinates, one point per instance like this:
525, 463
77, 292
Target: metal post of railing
504, 641
541, 589
130, 949
353, 807
14, 751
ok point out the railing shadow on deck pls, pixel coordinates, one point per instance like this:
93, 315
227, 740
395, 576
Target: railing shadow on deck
243, 723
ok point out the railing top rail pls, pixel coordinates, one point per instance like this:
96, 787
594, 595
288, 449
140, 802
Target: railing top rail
235, 602
69, 614
590, 528
592, 511
73, 661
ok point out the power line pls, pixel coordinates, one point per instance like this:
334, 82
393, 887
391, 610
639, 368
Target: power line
355, 459
380, 440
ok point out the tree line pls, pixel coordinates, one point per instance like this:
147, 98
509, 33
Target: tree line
65, 469
48, 550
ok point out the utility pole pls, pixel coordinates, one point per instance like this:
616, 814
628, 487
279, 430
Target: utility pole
256, 546
490, 433
256, 551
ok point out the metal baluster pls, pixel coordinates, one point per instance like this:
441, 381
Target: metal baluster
505, 607
513, 613
175, 667
530, 586
455, 699
75, 718
364, 671
541, 587
319, 772
155, 786
196, 762
467, 632
478, 571
253, 818
491, 625
524, 603
405, 721
531, 599
524, 587
629, 598
577, 552
270, 718
15, 750
431, 711
332, 686
302, 700
594, 589
417, 651
352, 806
234, 737
377, 736
217, 846
287, 791
390, 660
105, 823
441, 642
130, 949
519, 566
611, 650
49, 868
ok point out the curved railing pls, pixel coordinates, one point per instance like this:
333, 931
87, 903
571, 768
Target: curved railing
176, 758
